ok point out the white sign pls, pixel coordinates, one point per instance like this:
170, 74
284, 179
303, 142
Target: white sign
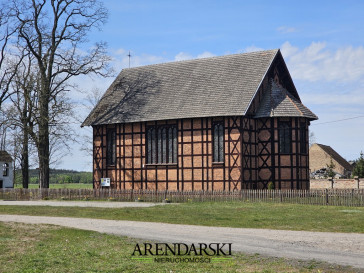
105, 182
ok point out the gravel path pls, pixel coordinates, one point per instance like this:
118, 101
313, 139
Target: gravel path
81, 204
339, 248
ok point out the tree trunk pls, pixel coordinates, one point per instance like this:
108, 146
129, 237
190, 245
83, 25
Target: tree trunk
43, 152
43, 144
25, 159
25, 143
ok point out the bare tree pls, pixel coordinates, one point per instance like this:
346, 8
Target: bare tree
53, 31
91, 100
23, 116
5, 76
3, 129
312, 139
7, 70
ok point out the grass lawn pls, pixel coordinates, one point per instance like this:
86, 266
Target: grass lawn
60, 186
45, 248
226, 214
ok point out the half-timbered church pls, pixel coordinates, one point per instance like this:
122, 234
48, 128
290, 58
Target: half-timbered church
222, 123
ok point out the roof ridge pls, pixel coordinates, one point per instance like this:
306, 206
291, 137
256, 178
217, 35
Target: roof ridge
334, 155
262, 79
323, 145
204, 58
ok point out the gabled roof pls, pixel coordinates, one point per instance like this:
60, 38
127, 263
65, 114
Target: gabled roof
5, 157
335, 156
278, 102
217, 86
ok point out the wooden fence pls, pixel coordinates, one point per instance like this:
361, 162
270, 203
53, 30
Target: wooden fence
332, 197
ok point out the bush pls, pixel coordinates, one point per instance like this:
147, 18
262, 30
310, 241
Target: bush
270, 185
359, 167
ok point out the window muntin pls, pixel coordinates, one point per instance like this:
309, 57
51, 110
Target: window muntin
303, 138
285, 138
218, 142
162, 144
159, 145
174, 150
150, 140
5, 169
110, 147
172, 145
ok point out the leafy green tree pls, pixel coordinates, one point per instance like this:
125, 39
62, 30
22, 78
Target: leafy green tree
330, 169
359, 167
68, 179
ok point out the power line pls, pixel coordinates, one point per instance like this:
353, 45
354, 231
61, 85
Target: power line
338, 120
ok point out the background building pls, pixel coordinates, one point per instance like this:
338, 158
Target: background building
321, 156
6, 171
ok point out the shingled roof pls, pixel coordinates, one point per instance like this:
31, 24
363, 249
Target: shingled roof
278, 102
217, 86
5, 157
334, 155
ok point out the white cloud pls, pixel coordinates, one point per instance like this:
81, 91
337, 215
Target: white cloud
350, 99
331, 83
121, 59
288, 50
285, 29
316, 62
205, 54
251, 48
120, 51
182, 56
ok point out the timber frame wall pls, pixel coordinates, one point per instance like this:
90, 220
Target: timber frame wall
251, 150
251, 156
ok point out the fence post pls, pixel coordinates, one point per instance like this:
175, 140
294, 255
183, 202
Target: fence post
331, 179
357, 180
327, 196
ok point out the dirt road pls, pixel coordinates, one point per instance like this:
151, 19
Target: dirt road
339, 248
93, 204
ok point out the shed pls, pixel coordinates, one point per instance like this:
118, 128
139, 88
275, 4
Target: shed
6, 173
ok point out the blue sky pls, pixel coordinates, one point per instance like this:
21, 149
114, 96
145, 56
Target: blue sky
321, 41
